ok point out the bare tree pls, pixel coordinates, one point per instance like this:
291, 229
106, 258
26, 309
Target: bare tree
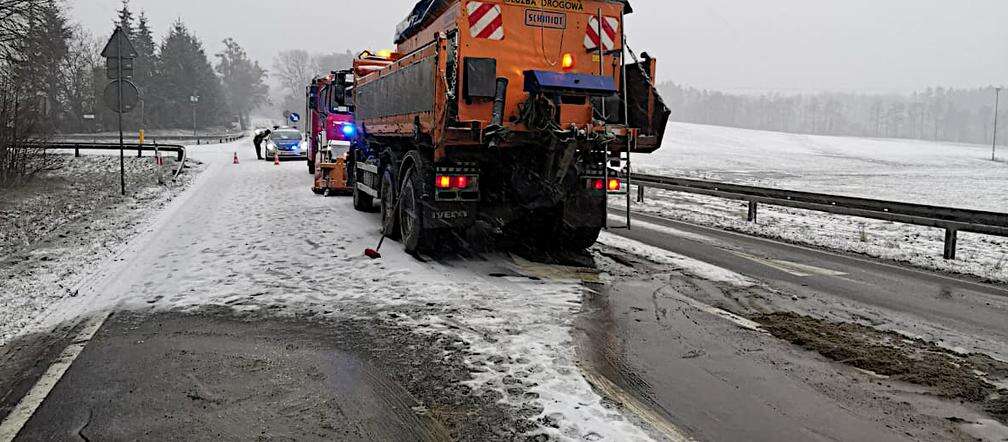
78, 94
23, 107
293, 69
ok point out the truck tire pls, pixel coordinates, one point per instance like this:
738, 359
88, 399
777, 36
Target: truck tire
362, 202
415, 238
390, 209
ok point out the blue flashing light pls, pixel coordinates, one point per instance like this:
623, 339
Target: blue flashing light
349, 130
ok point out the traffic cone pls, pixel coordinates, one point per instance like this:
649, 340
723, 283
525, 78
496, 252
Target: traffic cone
236, 158
276, 159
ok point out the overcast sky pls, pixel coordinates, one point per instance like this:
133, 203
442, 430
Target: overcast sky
733, 45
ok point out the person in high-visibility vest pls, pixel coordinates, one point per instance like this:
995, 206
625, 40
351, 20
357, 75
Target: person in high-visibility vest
258, 140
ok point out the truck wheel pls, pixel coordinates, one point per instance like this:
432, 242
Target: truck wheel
390, 209
413, 233
362, 201
316, 190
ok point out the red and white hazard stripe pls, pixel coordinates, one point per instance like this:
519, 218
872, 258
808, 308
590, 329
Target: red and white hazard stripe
485, 20
609, 35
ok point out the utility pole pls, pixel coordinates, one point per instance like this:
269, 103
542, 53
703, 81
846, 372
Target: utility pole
997, 99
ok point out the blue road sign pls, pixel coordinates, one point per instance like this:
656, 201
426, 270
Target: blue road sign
294, 117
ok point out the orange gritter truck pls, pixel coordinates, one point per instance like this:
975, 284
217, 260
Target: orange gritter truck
510, 113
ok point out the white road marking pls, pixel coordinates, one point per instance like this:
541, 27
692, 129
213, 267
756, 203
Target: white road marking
793, 268
16, 420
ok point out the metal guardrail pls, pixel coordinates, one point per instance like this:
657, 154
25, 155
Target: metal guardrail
151, 139
953, 220
179, 150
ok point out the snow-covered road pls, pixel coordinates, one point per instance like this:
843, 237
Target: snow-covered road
253, 237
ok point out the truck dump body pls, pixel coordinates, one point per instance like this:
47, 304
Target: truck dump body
492, 39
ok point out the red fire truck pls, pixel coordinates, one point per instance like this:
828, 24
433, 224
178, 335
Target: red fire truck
330, 132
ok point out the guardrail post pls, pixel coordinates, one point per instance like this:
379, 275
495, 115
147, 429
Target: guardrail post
951, 237
640, 193
753, 209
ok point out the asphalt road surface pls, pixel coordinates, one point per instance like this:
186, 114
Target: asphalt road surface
719, 379
247, 313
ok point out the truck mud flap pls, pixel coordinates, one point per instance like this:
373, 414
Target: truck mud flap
585, 209
450, 215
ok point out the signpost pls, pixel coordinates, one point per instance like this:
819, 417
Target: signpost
194, 99
997, 101
121, 95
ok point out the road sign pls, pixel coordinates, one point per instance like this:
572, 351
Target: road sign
119, 46
130, 96
294, 117
112, 68
121, 95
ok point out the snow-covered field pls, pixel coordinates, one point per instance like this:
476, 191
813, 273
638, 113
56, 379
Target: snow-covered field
902, 170
66, 223
943, 174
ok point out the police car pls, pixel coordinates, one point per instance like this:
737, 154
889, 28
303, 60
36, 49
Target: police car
286, 142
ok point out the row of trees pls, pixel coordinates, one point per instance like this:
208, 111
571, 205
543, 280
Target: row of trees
52, 79
178, 68
62, 62
939, 114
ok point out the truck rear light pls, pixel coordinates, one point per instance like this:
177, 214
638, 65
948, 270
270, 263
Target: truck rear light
567, 62
612, 185
453, 182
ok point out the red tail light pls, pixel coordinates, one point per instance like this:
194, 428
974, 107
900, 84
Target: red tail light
446, 182
599, 185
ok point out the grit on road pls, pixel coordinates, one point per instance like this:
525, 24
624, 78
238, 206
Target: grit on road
252, 239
